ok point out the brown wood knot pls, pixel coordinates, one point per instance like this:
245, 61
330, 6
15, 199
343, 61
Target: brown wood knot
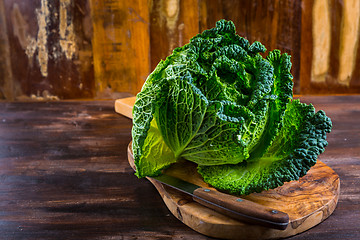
297, 223
178, 213
183, 201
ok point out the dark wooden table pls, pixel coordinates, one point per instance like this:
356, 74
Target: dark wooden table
64, 174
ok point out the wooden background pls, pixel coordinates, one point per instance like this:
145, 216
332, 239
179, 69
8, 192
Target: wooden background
98, 49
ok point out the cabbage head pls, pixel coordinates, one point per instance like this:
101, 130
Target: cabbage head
219, 103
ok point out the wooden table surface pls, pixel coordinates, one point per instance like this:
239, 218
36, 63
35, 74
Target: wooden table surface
64, 174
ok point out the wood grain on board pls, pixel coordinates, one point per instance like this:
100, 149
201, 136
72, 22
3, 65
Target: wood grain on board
308, 202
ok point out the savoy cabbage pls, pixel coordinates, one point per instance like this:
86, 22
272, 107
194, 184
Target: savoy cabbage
217, 102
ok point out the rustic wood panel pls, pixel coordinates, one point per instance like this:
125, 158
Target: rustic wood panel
50, 48
306, 46
330, 37
355, 78
120, 45
6, 84
70, 49
64, 174
172, 24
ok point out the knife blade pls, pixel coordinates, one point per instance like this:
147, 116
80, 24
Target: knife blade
229, 205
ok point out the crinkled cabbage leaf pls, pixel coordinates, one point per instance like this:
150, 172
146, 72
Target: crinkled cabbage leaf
217, 102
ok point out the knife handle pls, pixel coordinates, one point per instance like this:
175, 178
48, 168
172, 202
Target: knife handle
241, 209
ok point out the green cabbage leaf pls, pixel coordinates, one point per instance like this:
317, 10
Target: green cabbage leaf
219, 103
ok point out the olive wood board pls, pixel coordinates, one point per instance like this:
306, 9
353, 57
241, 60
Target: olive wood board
308, 201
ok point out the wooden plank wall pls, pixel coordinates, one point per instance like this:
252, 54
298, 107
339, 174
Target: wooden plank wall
330, 52
47, 49
69, 49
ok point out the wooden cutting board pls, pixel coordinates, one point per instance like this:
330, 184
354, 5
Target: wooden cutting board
308, 201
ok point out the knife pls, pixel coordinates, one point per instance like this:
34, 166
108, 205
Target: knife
229, 205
